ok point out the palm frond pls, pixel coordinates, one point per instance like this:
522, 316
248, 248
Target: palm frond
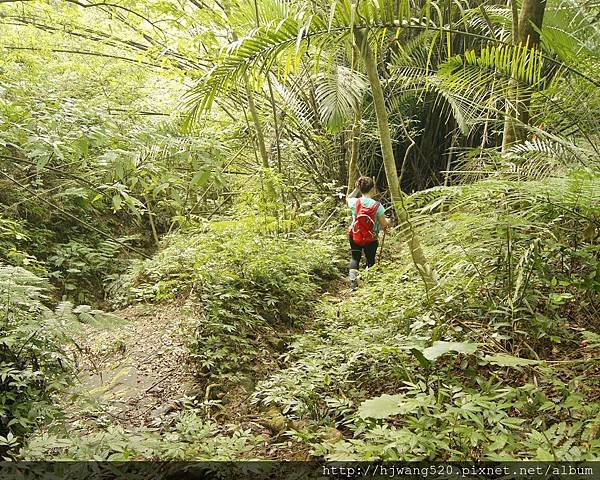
506, 61
296, 102
280, 46
339, 93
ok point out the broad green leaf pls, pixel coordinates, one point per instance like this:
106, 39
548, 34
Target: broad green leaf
544, 455
419, 355
381, 407
82, 144
510, 361
200, 178
119, 170
440, 348
389, 405
498, 444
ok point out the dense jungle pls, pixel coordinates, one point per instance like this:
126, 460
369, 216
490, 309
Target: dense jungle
175, 182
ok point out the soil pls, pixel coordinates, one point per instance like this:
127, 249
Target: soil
135, 370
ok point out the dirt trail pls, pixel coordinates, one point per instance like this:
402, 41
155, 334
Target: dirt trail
135, 371
133, 374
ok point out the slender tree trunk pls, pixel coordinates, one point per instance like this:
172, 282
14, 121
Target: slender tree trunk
265, 159
419, 259
353, 172
530, 18
152, 224
383, 125
260, 138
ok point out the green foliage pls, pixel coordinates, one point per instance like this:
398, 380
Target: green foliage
491, 368
190, 437
469, 406
440, 348
77, 268
384, 406
32, 362
88, 143
356, 345
339, 92
247, 288
526, 252
12, 238
456, 423
498, 362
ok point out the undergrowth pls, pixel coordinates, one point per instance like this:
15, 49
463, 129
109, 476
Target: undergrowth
500, 362
33, 364
190, 438
248, 288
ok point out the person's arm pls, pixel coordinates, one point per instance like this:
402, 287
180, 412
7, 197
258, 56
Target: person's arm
354, 192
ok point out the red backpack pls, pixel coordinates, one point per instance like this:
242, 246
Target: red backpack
362, 229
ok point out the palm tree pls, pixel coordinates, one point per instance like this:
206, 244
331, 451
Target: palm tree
526, 27
474, 84
288, 40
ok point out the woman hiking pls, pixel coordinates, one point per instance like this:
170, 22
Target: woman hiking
368, 216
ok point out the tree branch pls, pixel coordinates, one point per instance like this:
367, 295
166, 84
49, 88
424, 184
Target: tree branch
81, 52
74, 217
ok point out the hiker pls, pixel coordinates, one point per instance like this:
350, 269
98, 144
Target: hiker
368, 216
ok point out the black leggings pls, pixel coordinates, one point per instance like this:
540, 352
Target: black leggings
370, 252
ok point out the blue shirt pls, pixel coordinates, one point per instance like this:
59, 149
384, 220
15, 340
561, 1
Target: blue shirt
367, 202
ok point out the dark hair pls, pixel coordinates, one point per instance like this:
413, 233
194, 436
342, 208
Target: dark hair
365, 184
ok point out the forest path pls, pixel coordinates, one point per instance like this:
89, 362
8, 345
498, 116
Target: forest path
133, 371
132, 374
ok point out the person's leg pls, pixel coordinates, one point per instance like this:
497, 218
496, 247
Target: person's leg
356, 252
371, 253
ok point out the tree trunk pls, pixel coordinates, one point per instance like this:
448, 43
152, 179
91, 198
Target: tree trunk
260, 138
383, 126
530, 18
353, 172
389, 163
151, 218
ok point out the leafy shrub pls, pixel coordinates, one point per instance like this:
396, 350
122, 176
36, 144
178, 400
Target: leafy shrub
32, 364
522, 256
79, 269
245, 287
455, 406
507, 377
358, 346
190, 438
12, 236
446, 420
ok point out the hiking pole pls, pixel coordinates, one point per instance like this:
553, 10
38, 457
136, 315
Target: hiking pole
381, 249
